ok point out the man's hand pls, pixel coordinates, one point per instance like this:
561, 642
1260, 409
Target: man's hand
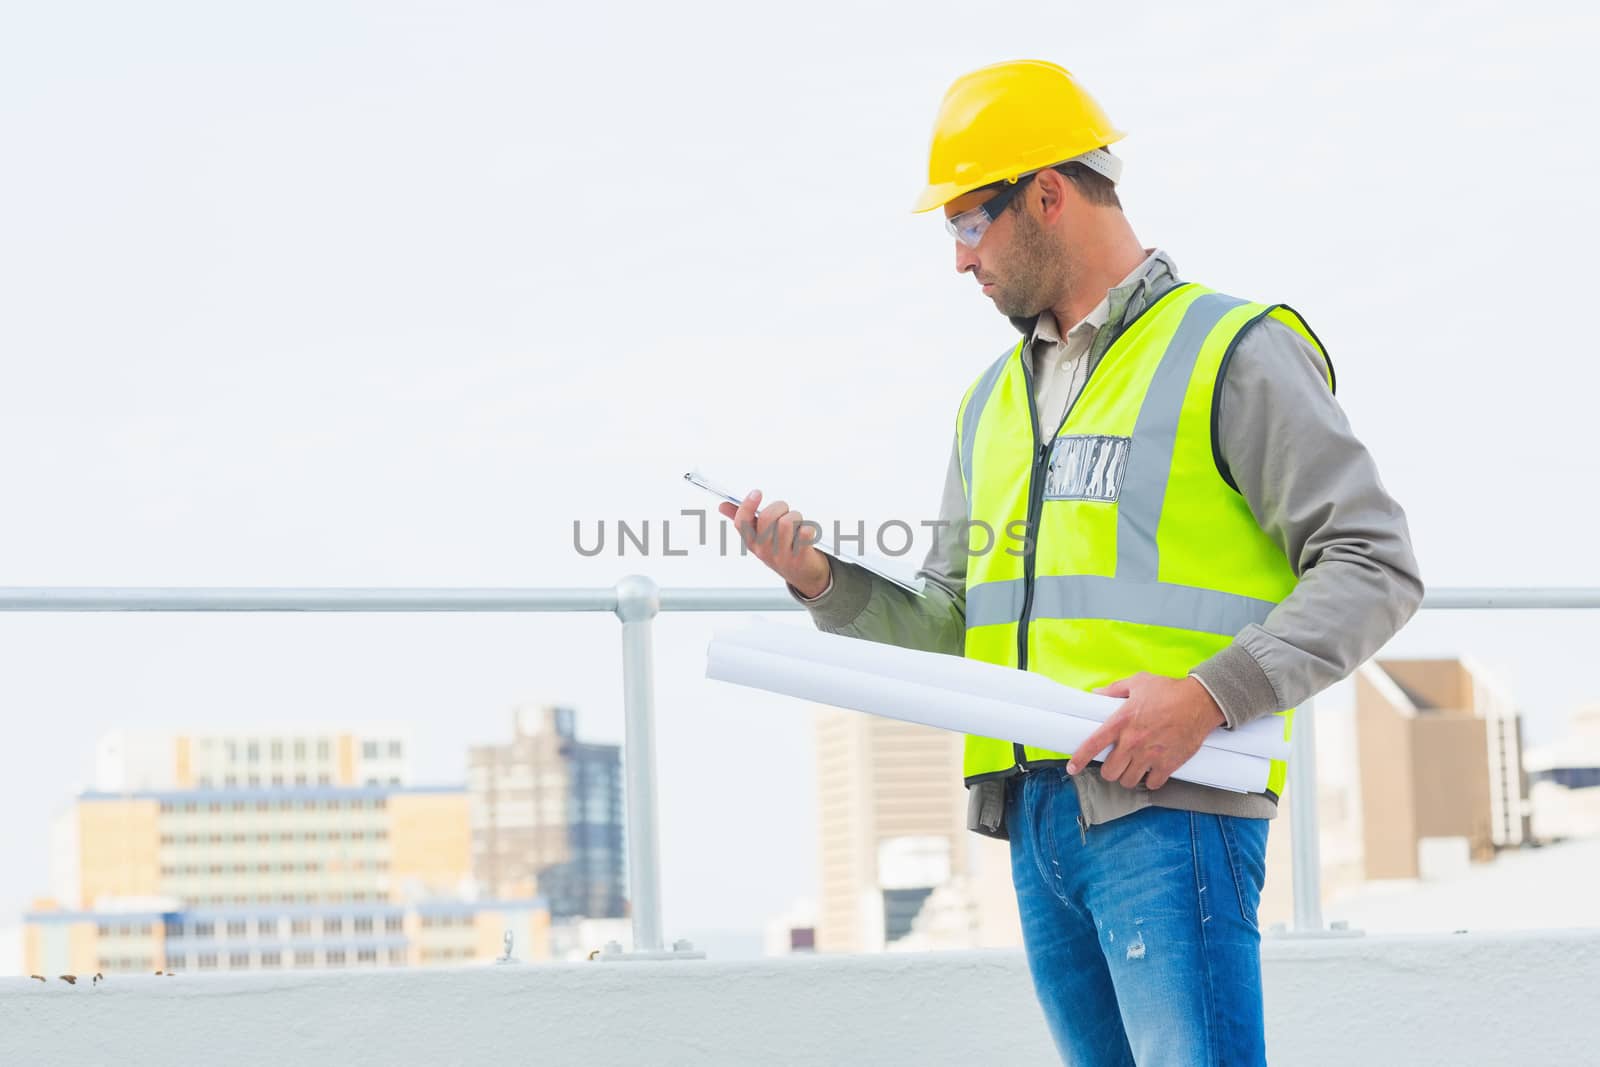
783, 540
1163, 722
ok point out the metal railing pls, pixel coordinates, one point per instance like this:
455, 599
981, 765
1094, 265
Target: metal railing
636, 600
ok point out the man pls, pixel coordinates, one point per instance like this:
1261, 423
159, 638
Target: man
1202, 535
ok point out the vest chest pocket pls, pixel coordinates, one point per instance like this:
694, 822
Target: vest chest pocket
1086, 467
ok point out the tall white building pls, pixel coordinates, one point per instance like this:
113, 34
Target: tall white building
1565, 776
892, 814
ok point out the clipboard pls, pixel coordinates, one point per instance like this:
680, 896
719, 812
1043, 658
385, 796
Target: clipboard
890, 570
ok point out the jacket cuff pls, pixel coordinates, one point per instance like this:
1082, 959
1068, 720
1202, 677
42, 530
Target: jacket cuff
842, 602
813, 599
1239, 686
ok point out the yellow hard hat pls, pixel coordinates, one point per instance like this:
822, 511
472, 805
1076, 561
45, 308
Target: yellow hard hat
1011, 119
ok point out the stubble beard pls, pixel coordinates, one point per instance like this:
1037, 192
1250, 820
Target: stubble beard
1033, 273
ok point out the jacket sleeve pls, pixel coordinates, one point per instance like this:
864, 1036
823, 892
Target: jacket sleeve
858, 603
1314, 488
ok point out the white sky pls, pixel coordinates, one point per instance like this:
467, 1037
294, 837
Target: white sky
390, 294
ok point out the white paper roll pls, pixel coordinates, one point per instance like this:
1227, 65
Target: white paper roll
947, 709
1263, 737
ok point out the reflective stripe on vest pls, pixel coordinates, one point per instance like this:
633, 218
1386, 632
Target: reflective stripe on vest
1142, 556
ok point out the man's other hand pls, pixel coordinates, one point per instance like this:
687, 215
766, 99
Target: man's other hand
781, 538
1162, 722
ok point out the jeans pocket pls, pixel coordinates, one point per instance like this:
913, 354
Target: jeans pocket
1245, 843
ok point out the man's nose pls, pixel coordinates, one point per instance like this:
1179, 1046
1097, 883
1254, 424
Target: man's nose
966, 259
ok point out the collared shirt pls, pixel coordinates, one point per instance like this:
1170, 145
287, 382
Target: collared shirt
1061, 365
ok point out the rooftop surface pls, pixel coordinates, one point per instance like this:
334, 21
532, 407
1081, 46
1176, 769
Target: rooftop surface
1554, 886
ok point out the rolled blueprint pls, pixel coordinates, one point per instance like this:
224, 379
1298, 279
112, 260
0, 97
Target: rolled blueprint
1263, 737
948, 709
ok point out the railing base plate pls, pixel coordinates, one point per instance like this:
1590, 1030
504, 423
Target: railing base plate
680, 950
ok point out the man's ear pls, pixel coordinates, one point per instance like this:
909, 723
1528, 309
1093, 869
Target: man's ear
1054, 190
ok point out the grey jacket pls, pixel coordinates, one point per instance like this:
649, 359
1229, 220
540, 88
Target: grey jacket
1313, 488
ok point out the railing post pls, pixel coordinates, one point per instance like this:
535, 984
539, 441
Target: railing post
638, 601
1304, 830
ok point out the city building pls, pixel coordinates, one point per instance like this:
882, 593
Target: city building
307, 845
129, 761
547, 816
1564, 781
893, 834
297, 876
1440, 755
794, 931
275, 936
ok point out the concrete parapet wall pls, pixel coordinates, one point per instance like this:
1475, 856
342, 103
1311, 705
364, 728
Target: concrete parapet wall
1470, 998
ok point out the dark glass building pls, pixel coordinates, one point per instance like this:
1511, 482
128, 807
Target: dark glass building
547, 817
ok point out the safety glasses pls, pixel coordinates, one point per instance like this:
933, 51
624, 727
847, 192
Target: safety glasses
970, 226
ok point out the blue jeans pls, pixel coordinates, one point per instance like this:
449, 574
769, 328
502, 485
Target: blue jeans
1140, 932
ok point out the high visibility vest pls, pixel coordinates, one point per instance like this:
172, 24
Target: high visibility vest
1118, 545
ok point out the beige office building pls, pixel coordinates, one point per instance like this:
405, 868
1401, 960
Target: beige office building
899, 868
1439, 746
255, 846
263, 849
133, 761
210, 879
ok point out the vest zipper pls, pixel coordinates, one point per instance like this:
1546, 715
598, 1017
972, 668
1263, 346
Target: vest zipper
1036, 480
